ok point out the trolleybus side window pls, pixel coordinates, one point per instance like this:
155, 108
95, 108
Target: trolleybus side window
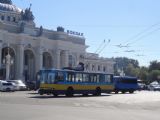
51, 78
101, 78
59, 76
85, 77
97, 78
70, 77
128, 80
91, 78
44, 78
79, 77
108, 78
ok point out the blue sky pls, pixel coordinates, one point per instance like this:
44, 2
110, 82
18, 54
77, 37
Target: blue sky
132, 22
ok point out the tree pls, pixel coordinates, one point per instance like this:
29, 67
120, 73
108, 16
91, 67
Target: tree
154, 75
143, 74
154, 65
122, 63
6, 1
131, 70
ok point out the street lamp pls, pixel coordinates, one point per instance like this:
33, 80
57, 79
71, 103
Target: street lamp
8, 61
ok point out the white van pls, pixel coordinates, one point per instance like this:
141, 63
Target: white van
5, 86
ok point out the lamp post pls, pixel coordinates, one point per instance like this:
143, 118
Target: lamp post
8, 62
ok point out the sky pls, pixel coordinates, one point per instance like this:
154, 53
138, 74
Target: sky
112, 28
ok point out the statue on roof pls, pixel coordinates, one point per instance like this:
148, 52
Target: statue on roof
60, 29
27, 15
6, 1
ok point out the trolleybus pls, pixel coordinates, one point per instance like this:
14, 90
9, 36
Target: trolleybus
70, 82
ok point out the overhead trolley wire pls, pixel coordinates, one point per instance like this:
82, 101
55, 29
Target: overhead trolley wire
135, 37
150, 33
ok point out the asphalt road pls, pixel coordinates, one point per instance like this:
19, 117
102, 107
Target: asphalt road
28, 105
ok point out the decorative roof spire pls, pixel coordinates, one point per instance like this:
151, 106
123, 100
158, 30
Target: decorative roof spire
6, 1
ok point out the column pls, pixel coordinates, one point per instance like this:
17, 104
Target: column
66, 58
20, 62
0, 54
96, 67
8, 63
57, 59
90, 66
77, 59
39, 59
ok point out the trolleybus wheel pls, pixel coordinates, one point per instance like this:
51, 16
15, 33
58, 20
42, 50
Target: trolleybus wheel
123, 92
55, 95
116, 91
69, 92
41, 92
98, 91
131, 91
85, 94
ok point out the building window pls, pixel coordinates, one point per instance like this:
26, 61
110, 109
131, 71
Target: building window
71, 61
14, 19
92, 67
8, 18
104, 69
99, 68
87, 67
2, 17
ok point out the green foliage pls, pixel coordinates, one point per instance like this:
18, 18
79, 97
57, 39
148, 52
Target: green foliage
6, 1
154, 75
131, 68
143, 74
154, 65
127, 65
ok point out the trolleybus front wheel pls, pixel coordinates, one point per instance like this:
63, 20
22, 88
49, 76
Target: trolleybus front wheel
40, 92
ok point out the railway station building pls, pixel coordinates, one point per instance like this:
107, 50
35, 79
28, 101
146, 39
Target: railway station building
33, 48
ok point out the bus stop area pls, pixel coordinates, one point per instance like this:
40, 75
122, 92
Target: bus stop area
28, 105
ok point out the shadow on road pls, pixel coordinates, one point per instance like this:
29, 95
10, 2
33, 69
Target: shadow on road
33, 93
63, 96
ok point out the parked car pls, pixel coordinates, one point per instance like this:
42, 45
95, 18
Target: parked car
142, 86
18, 84
6, 86
154, 86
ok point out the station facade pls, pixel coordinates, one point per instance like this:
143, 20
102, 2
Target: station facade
32, 48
